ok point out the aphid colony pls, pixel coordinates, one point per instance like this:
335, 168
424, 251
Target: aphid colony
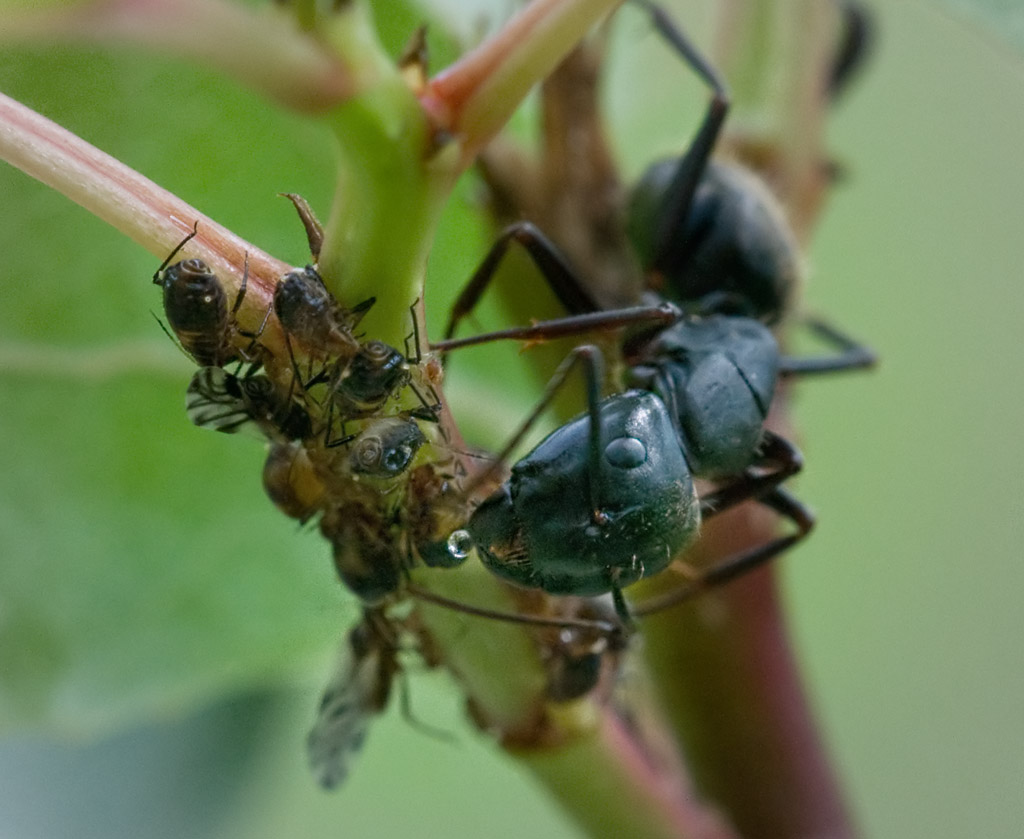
342, 419
605, 500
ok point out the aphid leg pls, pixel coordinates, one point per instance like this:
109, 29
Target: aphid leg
243, 287
680, 194
782, 502
851, 355
252, 336
172, 254
343, 438
608, 628
405, 705
173, 338
356, 313
428, 411
415, 357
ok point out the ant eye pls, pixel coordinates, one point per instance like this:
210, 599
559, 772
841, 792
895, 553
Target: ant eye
626, 452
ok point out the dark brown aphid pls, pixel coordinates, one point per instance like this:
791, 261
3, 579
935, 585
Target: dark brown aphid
196, 308
366, 556
291, 482
375, 372
309, 313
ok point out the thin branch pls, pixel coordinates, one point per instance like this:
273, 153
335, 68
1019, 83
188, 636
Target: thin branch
261, 49
474, 98
132, 203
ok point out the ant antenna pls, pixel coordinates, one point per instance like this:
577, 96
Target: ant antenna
180, 245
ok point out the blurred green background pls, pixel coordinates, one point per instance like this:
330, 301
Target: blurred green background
118, 520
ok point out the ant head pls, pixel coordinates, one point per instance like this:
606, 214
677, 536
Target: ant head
728, 251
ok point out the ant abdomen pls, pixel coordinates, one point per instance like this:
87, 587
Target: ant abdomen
732, 253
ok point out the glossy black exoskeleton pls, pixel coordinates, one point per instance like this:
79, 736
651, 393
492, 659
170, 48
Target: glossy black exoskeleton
587, 513
608, 497
709, 235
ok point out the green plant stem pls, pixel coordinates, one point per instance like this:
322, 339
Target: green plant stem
474, 98
613, 789
399, 157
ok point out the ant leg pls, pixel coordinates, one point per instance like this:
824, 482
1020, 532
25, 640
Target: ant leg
664, 314
779, 459
593, 369
178, 247
554, 267
680, 193
852, 355
779, 500
314, 230
856, 42
607, 628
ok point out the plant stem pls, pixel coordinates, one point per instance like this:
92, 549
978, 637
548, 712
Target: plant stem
136, 206
474, 98
724, 665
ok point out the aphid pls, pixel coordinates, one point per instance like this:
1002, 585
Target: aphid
309, 313
291, 481
386, 448
196, 308
358, 691
366, 554
220, 401
375, 372
578, 661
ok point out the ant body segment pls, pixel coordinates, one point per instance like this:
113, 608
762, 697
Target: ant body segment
608, 498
